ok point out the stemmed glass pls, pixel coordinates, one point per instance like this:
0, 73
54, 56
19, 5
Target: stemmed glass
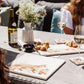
61, 25
79, 36
79, 39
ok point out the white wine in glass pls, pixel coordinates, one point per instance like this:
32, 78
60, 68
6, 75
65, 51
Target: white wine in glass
61, 25
78, 37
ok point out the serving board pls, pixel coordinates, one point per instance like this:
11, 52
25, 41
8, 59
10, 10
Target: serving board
60, 49
36, 66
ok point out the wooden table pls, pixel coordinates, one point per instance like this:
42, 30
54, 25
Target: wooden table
69, 73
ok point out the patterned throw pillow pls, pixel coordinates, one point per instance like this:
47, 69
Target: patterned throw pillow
38, 24
55, 20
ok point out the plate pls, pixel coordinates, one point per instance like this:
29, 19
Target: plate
77, 60
36, 66
60, 41
59, 49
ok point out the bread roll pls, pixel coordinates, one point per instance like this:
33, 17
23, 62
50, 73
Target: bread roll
38, 47
43, 48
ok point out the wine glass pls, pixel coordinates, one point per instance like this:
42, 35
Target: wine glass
78, 36
61, 25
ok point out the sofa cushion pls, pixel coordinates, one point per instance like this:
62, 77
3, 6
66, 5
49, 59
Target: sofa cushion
5, 14
55, 1
12, 3
49, 9
38, 24
55, 20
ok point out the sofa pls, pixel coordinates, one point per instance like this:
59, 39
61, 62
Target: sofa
50, 5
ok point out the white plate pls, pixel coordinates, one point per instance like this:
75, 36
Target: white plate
59, 49
60, 41
52, 64
77, 60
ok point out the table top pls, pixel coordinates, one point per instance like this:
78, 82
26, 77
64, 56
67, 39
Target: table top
69, 73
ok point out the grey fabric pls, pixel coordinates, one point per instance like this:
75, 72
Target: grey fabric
55, 1
5, 14
51, 5
49, 10
11, 2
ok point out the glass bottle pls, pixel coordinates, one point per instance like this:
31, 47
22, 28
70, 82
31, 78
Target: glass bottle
12, 30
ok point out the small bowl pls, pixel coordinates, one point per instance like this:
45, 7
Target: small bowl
28, 47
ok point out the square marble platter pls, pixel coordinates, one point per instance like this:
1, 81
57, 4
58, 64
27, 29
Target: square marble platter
36, 66
59, 49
